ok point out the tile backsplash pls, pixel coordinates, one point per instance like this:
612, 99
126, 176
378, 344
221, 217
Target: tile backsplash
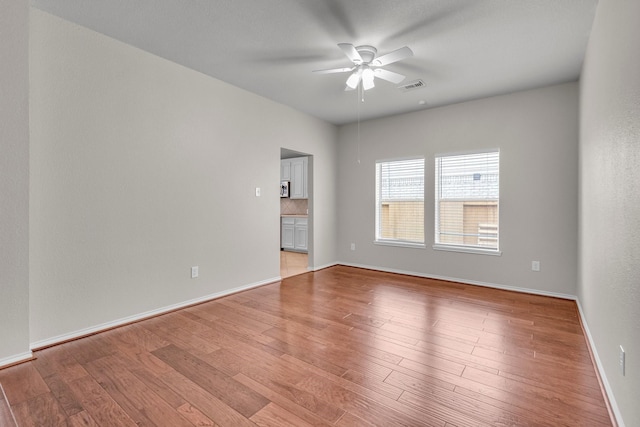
293, 206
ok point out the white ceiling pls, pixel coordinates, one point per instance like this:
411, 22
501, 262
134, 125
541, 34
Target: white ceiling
463, 49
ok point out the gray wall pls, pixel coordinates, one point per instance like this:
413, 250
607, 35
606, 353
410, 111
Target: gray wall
537, 133
140, 169
609, 278
14, 180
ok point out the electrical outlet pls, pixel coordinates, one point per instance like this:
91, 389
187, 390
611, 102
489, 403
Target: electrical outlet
194, 272
535, 265
621, 360
353, 246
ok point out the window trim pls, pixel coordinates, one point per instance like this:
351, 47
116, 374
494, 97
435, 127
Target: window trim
399, 243
470, 249
466, 249
393, 242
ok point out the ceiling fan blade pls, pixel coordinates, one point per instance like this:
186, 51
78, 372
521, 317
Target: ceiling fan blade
391, 57
387, 75
351, 52
354, 79
333, 70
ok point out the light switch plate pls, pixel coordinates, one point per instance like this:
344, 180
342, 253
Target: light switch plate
194, 272
257, 191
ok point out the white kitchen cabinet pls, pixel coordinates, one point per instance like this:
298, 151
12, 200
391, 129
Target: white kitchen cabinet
285, 170
287, 233
296, 171
294, 234
300, 235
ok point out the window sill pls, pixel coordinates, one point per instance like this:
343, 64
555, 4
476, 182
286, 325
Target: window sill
400, 244
466, 249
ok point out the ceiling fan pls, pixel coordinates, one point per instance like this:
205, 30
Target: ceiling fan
365, 65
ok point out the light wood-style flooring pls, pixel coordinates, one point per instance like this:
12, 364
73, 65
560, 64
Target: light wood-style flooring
337, 347
293, 263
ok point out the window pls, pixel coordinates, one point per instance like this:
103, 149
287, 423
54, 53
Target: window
467, 198
400, 202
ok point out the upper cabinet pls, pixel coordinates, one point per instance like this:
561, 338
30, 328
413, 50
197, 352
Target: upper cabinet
295, 170
299, 178
285, 170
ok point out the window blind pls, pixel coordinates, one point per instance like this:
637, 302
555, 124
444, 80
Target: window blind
467, 198
400, 201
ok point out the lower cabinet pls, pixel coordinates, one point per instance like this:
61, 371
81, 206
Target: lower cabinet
294, 234
300, 235
287, 233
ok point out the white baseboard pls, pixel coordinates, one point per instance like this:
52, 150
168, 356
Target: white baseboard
141, 316
600, 367
465, 281
322, 267
15, 359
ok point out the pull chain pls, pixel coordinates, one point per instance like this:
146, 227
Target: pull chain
359, 96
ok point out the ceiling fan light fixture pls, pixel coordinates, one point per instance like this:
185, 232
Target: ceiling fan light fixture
354, 79
367, 79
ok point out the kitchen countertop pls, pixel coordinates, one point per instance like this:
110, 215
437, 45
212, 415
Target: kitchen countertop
294, 216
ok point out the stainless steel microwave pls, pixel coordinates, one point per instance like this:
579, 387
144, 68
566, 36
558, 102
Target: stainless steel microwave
284, 188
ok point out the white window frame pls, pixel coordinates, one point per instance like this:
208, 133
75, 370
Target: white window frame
474, 249
396, 242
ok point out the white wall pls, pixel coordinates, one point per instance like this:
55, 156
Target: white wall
14, 181
537, 133
609, 276
140, 169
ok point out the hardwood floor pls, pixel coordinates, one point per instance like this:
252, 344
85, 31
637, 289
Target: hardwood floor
338, 347
293, 263
6, 416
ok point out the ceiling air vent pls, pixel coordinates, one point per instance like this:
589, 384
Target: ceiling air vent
416, 84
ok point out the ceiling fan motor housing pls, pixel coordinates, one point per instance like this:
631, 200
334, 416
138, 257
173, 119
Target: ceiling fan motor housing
367, 53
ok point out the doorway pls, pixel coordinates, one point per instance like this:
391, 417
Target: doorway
296, 213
